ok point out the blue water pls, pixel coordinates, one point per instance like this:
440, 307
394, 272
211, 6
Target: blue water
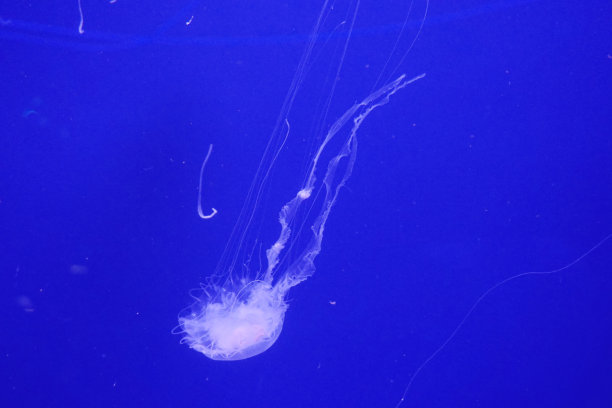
498, 162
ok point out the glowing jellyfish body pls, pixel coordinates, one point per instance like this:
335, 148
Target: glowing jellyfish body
235, 328
242, 318
239, 312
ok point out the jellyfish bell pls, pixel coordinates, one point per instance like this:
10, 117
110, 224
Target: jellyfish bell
238, 324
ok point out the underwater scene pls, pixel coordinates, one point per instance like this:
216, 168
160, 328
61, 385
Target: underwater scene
351, 203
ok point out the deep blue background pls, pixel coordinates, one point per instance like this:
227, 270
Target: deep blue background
497, 163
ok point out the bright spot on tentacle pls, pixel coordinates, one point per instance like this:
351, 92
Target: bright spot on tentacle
304, 193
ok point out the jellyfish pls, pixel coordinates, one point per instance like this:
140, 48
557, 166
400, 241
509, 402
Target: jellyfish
239, 313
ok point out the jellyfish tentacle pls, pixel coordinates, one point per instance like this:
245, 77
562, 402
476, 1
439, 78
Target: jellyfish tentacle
213, 210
